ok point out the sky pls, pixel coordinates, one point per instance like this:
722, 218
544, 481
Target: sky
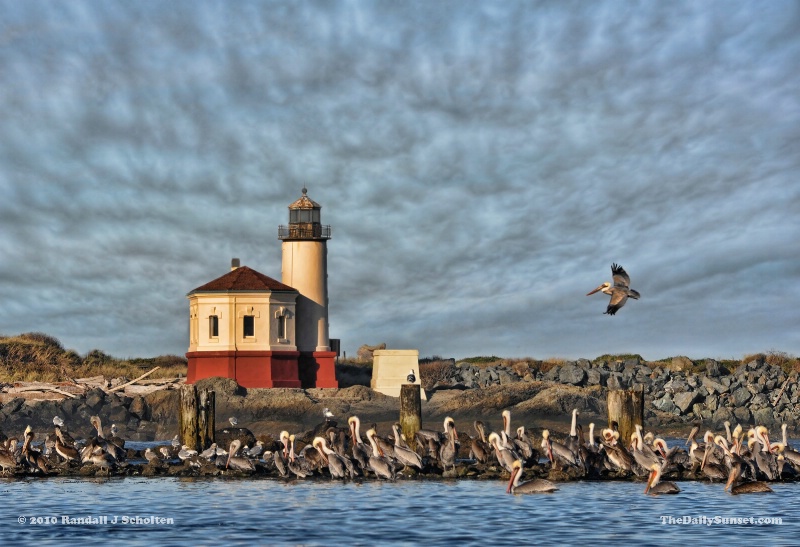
481, 165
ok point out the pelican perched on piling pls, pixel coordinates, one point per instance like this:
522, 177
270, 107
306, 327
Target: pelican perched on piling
620, 291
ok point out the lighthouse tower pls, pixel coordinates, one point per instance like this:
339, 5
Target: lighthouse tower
305, 268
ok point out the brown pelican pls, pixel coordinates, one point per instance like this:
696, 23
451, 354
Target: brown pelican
108, 445
504, 456
64, 449
642, 453
449, 449
7, 460
617, 455
790, 455
337, 465
404, 454
765, 460
238, 462
280, 456
619, 291
423, 435
360, 452
654, 486
102, 459
572, 440
31, 456
382, 466
300, 466
535, 486
479, 449
557, 451
524, 445
744, 487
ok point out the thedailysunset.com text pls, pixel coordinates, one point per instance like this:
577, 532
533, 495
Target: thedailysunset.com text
720, 520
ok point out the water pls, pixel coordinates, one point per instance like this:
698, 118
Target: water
267, 511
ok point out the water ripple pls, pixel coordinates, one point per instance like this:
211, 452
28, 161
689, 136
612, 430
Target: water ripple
274, 512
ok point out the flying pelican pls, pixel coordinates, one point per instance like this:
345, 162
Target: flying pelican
534, 486
654, 484
619, 291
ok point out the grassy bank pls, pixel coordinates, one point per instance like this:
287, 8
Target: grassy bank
38, 357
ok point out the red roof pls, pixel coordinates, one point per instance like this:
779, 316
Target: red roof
243, 279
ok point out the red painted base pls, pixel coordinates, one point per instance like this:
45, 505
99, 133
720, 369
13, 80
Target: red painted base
248, 368
318, 369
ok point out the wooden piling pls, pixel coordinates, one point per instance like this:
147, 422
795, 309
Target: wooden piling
626, 408
410, 411
206, 423
197, 420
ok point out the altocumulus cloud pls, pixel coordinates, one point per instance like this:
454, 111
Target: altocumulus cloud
482, 164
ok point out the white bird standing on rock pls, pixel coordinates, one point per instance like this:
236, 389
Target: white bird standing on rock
233, 421
327, 414
57, 421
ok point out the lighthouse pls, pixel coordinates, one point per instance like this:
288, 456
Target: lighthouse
304, 267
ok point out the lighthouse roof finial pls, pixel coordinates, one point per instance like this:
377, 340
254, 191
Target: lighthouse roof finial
305, 190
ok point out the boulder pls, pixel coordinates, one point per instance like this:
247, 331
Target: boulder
665, 404
680, 363
740, 397
742, 414
764, 416
713, 369
571, 374
712, 386
684, 400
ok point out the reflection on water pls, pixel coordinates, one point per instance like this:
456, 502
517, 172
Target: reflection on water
267, 511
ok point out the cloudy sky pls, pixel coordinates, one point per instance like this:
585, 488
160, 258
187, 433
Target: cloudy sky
481, 164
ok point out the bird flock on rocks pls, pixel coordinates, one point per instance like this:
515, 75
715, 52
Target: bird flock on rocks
745, 460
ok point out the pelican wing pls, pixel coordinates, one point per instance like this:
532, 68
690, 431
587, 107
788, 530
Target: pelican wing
620, 276
618, 298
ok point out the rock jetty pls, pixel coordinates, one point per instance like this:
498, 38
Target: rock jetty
678, 393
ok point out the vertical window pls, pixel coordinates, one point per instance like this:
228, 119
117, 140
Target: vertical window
249, 329
282, 326
213, 326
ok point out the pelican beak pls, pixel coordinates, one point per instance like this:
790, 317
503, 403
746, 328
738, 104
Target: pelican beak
601, 287
511, 480
650, 481
730, 480
229, 460
705, 457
